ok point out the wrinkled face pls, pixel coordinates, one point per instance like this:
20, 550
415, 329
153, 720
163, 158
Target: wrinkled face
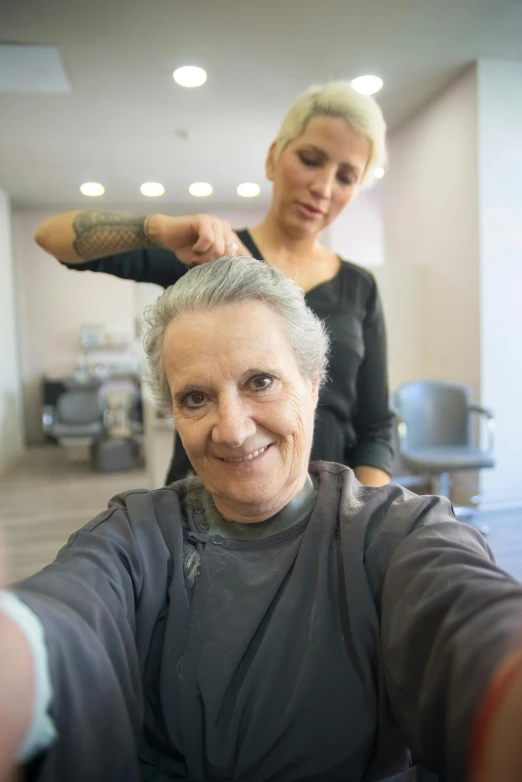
243, 410
317, 174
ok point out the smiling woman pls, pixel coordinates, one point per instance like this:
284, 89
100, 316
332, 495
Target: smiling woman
329, 141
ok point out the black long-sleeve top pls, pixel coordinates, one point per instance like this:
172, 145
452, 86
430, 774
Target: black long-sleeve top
353, 422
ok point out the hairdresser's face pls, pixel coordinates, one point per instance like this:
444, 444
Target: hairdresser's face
317, 175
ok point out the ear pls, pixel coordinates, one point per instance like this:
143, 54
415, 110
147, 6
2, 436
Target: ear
270, 162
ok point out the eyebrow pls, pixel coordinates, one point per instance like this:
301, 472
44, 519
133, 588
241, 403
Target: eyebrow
324, 154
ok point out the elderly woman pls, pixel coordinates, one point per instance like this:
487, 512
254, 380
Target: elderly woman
328, 144
259, 621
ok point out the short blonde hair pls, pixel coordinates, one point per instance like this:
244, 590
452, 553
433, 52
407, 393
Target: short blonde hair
337, 99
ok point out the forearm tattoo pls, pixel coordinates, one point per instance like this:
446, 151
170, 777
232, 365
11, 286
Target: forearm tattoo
101, 233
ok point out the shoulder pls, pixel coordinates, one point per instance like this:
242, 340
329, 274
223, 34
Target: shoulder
357, 285
359, 273
377, 517
131, 514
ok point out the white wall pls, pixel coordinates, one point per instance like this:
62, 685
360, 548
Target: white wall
11, 441
357, 235
431, 222
401, 289
430, 208
54, 303
500, 167
452, 204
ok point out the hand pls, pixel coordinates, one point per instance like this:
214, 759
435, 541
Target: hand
498, 758
16, 688
195, 239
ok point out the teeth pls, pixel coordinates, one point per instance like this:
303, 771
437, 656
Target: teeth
247, 458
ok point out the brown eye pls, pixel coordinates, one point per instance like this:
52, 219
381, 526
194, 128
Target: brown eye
262, 382
194, 400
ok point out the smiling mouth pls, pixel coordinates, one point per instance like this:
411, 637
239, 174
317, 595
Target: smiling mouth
247, 458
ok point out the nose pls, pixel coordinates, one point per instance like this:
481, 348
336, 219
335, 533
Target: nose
322, 184
234, 424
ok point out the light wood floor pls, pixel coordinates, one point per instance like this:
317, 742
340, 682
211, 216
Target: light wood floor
44, 499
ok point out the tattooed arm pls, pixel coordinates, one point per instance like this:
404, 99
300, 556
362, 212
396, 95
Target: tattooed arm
78, 237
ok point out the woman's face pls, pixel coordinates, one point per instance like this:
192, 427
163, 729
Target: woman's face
317, 174
243, 410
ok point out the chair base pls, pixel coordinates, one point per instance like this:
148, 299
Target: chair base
77, 449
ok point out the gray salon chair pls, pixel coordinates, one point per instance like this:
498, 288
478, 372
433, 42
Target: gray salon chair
435, 433
79, 414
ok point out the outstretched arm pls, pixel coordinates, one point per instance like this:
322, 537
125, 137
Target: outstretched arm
81, 236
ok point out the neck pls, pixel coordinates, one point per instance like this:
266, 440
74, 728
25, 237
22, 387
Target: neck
276, 241
253, 513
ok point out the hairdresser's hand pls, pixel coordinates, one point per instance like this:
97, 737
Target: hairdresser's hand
195, 239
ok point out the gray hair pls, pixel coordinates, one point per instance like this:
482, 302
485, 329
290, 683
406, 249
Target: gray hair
233, 281
337, 99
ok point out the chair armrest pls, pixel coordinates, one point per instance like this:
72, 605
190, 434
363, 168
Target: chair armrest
402, 430
48, 413
484, 412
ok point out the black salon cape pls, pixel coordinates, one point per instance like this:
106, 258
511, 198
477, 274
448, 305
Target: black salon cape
319, 653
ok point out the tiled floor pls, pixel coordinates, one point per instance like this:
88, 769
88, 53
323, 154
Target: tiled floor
44, 499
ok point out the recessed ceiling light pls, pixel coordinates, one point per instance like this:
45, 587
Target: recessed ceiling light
367, 85
200, 189
248, 190
190, 76
378, 173
92, 189
152, 189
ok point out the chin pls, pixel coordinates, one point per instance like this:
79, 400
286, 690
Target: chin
302, 229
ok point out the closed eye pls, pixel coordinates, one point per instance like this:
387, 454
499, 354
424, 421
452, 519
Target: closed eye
308, 161
347, 180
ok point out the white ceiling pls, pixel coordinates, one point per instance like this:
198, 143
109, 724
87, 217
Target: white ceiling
120, 123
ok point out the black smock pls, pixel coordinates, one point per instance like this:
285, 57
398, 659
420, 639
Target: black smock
353, 420
317, 654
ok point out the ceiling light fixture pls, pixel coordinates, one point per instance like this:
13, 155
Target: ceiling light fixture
152, 189
200, 189
367, 85
248, 190
190, 76
378, 173
92, 189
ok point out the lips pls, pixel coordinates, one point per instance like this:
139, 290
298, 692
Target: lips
309, 210
312, 208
